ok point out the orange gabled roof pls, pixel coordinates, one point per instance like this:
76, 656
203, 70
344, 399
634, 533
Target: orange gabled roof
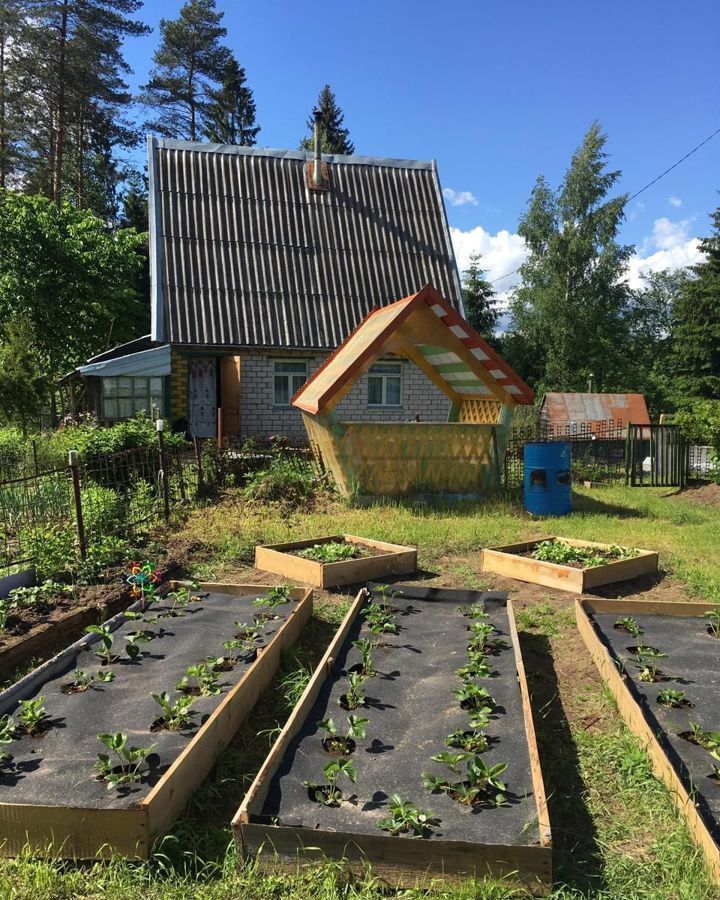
467, 376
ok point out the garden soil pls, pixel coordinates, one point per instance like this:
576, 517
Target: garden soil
411, 710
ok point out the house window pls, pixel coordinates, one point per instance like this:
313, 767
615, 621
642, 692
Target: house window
288, 377
124, 396
385, 384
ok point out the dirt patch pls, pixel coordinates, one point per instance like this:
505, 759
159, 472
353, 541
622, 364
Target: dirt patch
706, 494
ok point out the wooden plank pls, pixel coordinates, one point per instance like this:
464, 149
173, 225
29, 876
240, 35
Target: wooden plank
395, 861
398, 862
536, 770
73, 833
279, 559
651, 607
170, 795
255, 798
563, 578
634, 718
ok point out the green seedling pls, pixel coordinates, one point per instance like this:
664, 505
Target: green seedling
179, 599
32, 715
480, 779
474, 611
330, 794
365, 647
476, 667
199, 679
387, 593
132, 647
480, 718
128, 760
7, 735
716, 769
672, 698
105, 650
355, 695
82, 681
405, 816
174, 716
630, 625
709, 740
713, 617
332, 551
275, 597
474, 741
381, 619
219, 663
246, 648
247, 632
133, 615
473, 697
336, 743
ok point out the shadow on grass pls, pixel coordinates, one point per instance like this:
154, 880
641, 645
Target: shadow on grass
585, 503
637, 585
577, 859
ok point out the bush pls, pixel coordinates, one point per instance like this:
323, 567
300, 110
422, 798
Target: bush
53, 549
13, 452
700, 423
290, 480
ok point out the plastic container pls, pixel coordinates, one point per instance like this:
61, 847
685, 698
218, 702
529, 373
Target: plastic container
548, 478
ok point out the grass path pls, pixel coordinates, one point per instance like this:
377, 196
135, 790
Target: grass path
616, 833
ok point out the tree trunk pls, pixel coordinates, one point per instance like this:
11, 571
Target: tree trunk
3, 111
60, 110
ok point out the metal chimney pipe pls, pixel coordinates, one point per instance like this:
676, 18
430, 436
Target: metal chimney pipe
317, 167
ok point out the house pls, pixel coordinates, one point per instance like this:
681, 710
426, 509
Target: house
262, 262
593, 413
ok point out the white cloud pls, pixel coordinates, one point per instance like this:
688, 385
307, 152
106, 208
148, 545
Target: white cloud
666, 234
459, 198
678, 256
675, 201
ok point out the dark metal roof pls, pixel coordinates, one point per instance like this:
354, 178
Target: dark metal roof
243, 254
627, 409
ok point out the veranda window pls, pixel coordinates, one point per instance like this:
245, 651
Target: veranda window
385, 384
124, 396
289, 376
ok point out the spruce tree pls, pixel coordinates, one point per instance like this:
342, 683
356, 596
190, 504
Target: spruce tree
24, 390
334, 138
188, 63
567, 317
479, 298
230, 115
695, 357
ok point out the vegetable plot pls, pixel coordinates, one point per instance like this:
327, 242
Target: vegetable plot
662, 663
567, 564
103, 744
337, 559
412, 749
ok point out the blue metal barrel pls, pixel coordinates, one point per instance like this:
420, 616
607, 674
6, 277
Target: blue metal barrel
548, 478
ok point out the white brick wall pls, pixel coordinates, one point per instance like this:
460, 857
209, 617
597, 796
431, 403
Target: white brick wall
260, 418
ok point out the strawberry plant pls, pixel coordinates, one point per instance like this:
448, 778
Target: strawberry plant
405, 816
332, 551
380, 618
474, 741
247, 632
7, 736
173, 716
479, 783
245, 650
355, 695
473, 697
474, 611
128, 760
561, 553
330, 794
134, 640
105, 650
199, 680
32, 715
476, 667
708, 740
179, 599
629, 625
220, 663
82, 681
672, 698
275, 597
713, 617
365, 647
335, 743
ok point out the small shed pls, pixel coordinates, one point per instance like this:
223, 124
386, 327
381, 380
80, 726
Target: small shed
462, 455
593, 412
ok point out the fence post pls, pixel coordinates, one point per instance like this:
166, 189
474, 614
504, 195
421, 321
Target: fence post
35, 458
75, 474
159, 425
198, 459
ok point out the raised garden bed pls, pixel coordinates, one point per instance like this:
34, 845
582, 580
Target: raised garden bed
608, 563
291, 814
58, 796
371, 560
661, 663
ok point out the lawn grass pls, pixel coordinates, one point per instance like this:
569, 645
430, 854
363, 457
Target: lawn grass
617, 835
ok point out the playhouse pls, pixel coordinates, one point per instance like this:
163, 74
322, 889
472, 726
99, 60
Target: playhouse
460, 456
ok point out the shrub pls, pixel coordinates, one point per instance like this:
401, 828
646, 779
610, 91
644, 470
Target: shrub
104, 509
700, 423
13, 450
53, 549
291, 480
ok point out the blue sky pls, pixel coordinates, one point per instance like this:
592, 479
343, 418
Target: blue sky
498, 92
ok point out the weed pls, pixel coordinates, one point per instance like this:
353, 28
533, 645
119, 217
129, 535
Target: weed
129, 760
405, 816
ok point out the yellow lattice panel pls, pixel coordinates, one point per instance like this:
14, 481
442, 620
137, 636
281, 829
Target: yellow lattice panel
481, 412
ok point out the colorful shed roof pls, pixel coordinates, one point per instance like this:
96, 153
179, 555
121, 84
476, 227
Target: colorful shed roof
627, 409
425, 328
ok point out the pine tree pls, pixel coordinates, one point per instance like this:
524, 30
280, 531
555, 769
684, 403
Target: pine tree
479, 299
567, 317
10, 91
230, 117
333, 137
188, 62
696, 325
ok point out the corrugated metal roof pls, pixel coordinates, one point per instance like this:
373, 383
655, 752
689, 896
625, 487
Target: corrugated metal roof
627, 409
154, 362
461, 360
243, 254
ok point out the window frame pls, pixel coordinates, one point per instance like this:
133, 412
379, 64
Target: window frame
384, 377
132, 395
289, 378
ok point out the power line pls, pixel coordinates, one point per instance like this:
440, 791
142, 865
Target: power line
642, 189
